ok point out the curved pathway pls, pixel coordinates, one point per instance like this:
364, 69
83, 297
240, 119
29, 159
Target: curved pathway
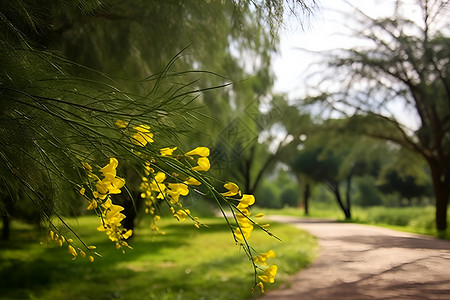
367, 262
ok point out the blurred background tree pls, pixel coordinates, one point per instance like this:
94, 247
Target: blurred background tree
334, 157
402, 61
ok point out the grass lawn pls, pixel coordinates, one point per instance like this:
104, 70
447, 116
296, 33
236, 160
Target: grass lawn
185, 263
415, 219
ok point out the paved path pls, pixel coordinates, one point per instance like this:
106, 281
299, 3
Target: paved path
367, 262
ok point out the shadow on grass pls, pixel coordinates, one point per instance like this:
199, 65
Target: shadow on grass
54, 265
35, 267
19, 239
174, 266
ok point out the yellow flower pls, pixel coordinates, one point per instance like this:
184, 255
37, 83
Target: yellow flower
260, 215
160, 177
156, 185
110, 207
102, 186
127, 234
99, 196
86, 166
177, 189
115, 185
262, 258
72, 251
202, 151
109, 186
192, 181
243, 214
181, 214
111, 215
246, 201
232, 188
109, 171
111, 219
148, 169
243, 232
203, 164
82, 191
269, 274
121, 124
142, 135
92, 205
261, 285
167, 151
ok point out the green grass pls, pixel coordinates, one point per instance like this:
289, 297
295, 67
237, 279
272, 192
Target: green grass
186, 263
415, 219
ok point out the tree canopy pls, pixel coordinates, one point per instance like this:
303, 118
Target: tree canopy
404, 61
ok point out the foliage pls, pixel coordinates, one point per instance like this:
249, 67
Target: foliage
404, 61
406, 186
334, 157
268, 196
367, 192
278, 190
289, 197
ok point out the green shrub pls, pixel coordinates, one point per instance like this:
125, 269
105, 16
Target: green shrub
289, 197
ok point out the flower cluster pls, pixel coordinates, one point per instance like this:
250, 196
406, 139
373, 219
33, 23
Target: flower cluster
71, 248
245, 224
100, 201
156, 186
202, 160
270, 272
141, 135
111, 224
244, 228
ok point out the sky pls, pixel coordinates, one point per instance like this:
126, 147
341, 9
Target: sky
324, 30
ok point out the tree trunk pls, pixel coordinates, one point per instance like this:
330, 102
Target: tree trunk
306, 195
441, 193
337, 193
347, 195
131, 207
247, 163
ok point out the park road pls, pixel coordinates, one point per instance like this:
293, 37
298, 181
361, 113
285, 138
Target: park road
366, 262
